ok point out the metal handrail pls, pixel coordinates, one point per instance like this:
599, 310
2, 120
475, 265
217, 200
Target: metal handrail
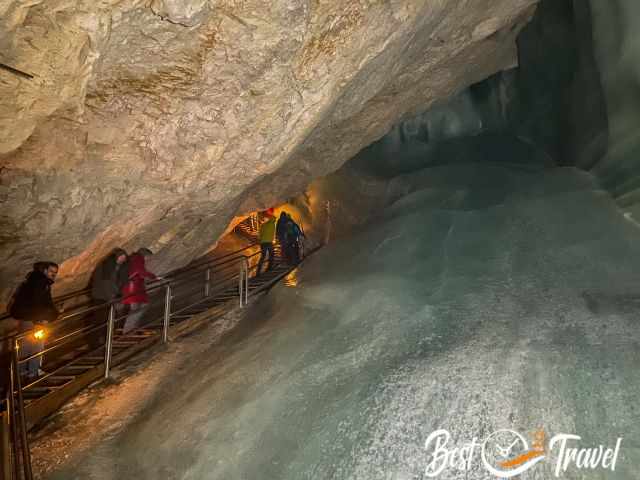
220, 284
212, 262
15, 401
110, 323
177, 275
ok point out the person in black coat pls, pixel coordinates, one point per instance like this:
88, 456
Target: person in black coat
281, 234
107, 281
32, 305
110, 276
292, 239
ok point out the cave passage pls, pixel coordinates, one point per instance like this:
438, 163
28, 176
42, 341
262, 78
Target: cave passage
482, 299
475, 298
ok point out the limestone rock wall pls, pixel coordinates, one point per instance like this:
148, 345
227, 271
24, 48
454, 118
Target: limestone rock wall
155, 122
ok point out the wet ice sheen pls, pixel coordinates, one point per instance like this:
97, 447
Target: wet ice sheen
470, 306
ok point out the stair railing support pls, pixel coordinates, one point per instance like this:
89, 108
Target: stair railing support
207, 283
108, 347
245, 262
26, 454
167, 313
241, 285
12, 421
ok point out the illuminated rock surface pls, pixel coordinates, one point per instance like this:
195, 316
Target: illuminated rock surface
153, 123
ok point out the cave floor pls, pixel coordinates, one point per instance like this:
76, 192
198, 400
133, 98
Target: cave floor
489, 297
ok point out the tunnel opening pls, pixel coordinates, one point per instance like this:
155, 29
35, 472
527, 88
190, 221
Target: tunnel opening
551, 111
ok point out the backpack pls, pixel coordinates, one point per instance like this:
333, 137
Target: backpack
290, 230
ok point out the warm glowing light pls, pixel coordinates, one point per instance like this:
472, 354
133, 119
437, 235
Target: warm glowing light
39, 334
291, 280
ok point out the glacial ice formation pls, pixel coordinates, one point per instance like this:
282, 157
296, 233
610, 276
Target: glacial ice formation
492, 295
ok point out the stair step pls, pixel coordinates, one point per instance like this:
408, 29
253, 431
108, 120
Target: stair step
124, 343
78, 368
31, 395
38, 391
86, 363
57, 381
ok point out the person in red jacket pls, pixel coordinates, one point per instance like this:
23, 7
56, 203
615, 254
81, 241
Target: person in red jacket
134, 292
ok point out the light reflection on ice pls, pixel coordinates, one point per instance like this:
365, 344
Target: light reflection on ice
510, 308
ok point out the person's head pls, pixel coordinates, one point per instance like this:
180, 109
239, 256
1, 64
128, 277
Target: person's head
119, 255
49, 269
283, 214
145, 252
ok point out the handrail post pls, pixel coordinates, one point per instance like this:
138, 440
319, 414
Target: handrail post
108, 347
246, 280
14, 453
6, 460
167, 314
26, 454
207, 285
241, 284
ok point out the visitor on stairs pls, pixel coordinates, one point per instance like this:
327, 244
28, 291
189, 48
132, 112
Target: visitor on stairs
280, 233
32, 305
267, 236
134, 292
292, 240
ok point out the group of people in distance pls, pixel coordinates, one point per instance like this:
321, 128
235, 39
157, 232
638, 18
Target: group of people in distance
118, 275
289, 236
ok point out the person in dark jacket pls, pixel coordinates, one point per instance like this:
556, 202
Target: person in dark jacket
32, 305
107, 281
110, 276
280, 227
292, 239
134, 292
281, 235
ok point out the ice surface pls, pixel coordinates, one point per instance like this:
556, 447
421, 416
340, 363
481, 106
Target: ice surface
500, 297
617, 50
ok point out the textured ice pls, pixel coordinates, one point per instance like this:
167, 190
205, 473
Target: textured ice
484, 298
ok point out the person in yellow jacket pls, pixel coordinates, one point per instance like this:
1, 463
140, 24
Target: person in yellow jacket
267, 236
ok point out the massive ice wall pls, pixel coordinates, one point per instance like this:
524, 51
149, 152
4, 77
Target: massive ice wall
616, 30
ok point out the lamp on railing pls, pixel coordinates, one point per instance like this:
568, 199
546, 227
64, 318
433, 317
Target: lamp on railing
40, 334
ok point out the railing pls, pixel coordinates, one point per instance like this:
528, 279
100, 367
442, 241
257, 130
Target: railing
177, 286
181, 292
171, 299
228, 269
90, 306
86, 292
185, 287
19, 453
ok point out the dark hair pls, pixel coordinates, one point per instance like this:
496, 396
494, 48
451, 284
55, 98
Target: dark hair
42, 266
117, 252
145, 251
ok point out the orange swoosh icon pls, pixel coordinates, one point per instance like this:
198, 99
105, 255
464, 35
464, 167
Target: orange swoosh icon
521, 459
